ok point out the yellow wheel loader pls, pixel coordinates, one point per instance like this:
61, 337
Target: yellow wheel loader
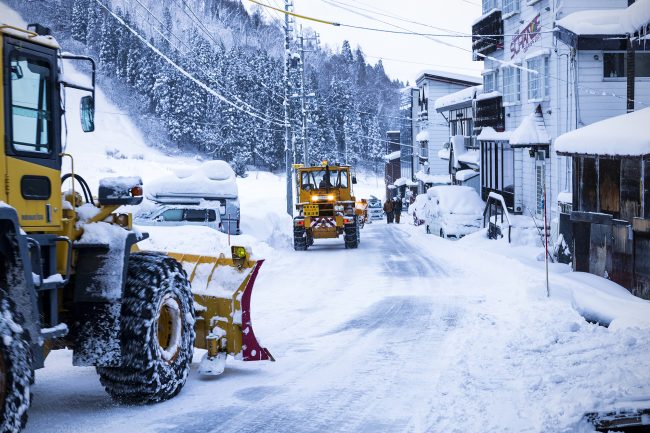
326, 206
71, 275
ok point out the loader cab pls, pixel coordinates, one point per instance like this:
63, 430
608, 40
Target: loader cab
31, 108
31, 127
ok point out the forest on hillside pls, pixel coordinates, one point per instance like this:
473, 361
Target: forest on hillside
239, 56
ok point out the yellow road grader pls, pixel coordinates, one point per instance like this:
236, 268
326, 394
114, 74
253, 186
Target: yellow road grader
76, 279
326, 206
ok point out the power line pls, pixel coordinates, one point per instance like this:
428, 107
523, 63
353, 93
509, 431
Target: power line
183, 71
208, 74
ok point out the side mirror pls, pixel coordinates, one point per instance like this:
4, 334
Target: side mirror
354, 180
87, 111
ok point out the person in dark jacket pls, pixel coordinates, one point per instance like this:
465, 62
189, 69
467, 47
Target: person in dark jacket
397, 209
388, 208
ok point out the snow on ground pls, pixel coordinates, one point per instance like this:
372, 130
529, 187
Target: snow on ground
408, 333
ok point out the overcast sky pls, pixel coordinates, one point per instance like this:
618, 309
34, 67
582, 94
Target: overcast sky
403, 55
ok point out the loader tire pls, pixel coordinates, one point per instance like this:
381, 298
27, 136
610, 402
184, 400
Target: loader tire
15, 369
300, 239
157, 340
352, 234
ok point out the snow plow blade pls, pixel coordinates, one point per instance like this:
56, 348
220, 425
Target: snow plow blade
222, 289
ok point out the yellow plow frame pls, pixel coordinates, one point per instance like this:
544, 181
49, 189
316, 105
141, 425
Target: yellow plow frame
222, 289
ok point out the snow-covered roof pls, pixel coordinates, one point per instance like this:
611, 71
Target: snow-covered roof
449, 75
444, 154
463, 175
565, 197
472, 157
624, 135
489, 134
422, 135
391, 156
459, 97
489, 95
610, 21
212, 180
443, 179
530, 132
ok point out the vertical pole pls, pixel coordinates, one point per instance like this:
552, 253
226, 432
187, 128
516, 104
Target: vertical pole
548, 290
287, 146
305, 150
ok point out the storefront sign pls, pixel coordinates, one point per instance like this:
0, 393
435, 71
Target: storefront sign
526, 37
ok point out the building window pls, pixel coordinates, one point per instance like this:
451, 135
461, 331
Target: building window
539, 79
490, 81
615, 65
488, 5
497, 170
510, 6
511, 85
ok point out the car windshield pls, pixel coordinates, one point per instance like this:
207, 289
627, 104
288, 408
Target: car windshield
323, 179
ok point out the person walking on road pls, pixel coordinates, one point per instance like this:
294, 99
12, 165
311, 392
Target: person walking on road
397, 209
388, 208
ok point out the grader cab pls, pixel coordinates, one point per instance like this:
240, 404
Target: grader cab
326, 206
71, 275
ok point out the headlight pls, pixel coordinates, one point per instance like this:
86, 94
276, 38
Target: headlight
314, 198
330, 197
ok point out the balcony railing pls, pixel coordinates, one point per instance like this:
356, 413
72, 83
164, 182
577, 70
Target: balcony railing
487, 34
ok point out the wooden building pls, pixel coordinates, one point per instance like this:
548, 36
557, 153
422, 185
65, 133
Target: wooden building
610, 218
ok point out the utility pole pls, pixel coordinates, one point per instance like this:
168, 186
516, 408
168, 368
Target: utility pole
287, 131
303, 96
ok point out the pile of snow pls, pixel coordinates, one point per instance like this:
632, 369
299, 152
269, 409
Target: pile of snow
422, 135
456, 199
444, 154
624, 135
212, 180
530, 132
609, 22
565, 197
459, 97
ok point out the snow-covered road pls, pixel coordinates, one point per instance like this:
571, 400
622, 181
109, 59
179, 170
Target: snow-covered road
407, 333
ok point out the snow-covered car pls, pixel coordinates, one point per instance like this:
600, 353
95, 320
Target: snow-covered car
211, 186
375, 208
453, 211
418, 209
176, 215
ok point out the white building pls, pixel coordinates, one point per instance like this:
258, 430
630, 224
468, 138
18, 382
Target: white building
552, 66
433, 130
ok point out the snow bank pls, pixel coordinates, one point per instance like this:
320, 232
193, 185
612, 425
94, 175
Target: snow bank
624, 135
610, 21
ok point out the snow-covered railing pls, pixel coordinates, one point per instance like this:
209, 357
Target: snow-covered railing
497, 199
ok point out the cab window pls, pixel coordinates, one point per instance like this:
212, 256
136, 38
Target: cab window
31, 111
